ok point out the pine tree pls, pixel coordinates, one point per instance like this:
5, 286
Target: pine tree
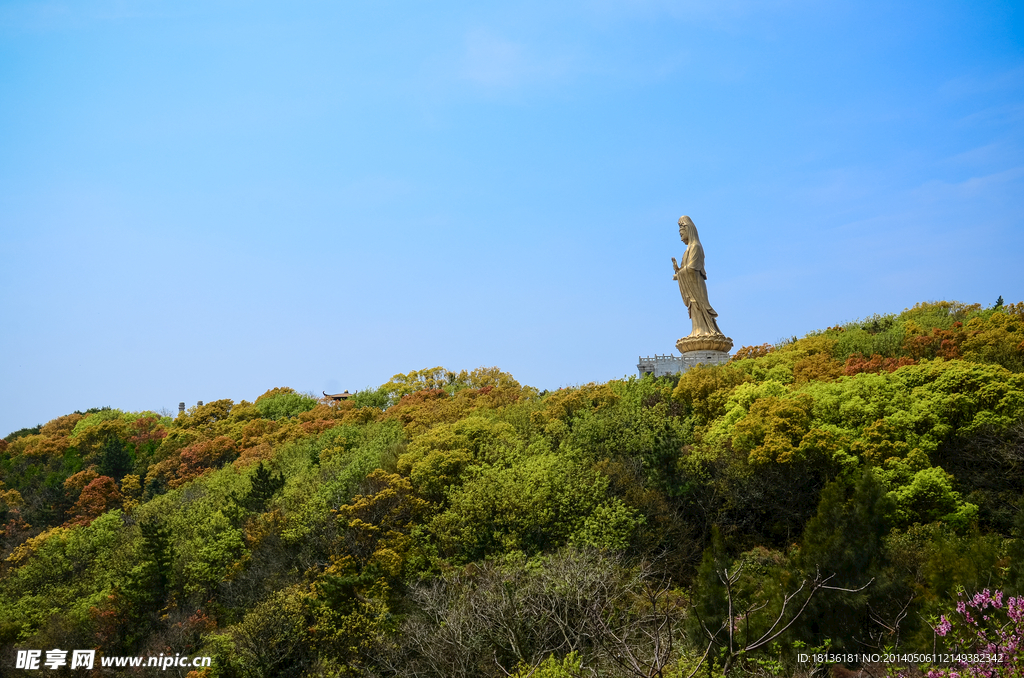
148, 583
115, 458
264, 485
844, 539
1015, 551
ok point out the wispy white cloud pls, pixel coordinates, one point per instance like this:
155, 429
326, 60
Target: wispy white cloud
35, 16
937, 191
713, 11
494, 61
998, 153
1006, 114
50, 15
972, 85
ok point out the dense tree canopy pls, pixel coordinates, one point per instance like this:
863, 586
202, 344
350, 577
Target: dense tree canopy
831, 491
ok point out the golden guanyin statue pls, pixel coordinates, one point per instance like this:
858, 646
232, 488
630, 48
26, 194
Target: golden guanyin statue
691, 277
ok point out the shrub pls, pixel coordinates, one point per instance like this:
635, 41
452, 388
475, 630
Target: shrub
985, 634
284, 405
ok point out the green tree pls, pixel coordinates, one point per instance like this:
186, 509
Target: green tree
263, 486
844, 539
530, 506
710, 602
144, 592
1015, 574
284, 405
703, 391
115, 458
552, 667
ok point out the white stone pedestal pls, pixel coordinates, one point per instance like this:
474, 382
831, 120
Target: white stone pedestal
666, 365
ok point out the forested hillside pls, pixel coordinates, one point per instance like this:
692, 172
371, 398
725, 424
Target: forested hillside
844, 490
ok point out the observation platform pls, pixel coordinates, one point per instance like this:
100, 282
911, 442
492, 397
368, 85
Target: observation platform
667, 365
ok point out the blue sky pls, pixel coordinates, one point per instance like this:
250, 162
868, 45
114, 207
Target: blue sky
204, 200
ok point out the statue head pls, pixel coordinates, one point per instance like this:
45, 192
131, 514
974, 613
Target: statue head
687, 231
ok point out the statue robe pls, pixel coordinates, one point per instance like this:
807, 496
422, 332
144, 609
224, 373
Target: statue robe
691, 277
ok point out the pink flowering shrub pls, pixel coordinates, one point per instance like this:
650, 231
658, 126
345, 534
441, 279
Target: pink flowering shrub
983, 638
